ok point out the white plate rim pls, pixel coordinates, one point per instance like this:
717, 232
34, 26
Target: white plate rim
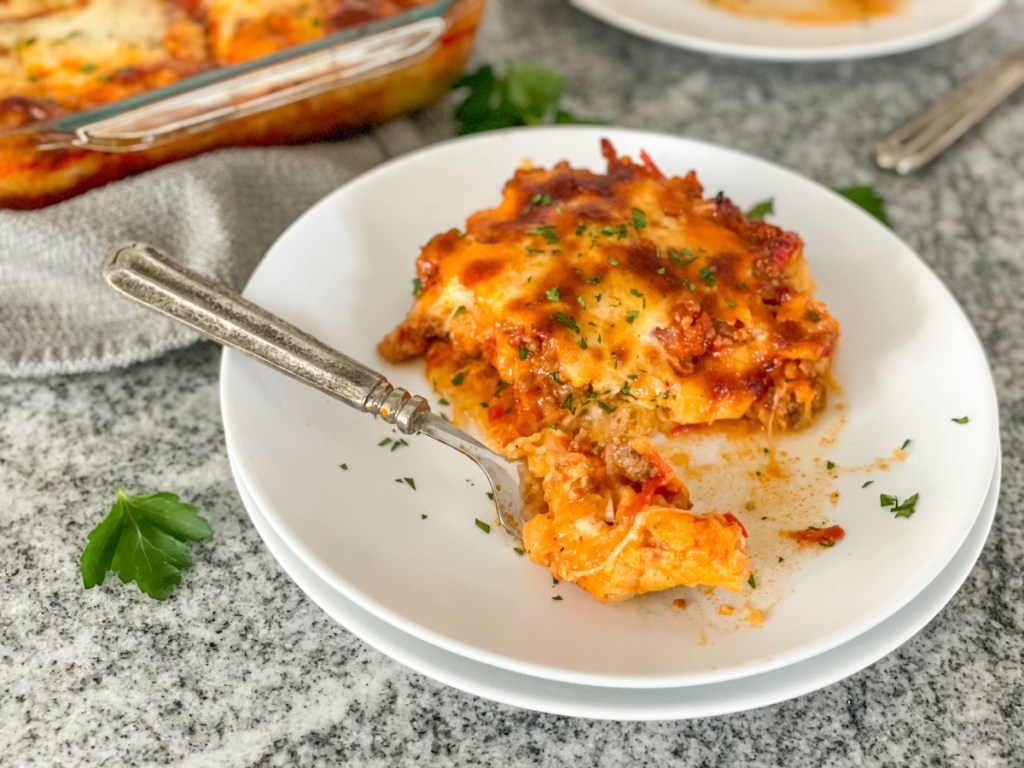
600, 9
625, 704
228, 371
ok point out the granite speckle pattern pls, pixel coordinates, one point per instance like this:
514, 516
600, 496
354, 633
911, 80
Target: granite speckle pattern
240, 669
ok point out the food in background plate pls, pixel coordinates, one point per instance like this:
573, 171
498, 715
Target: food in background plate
58, 58
811, 11
589, 312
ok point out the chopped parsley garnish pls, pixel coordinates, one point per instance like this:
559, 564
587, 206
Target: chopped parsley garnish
659, 271
639, 219
613, 261
519, 551
682, 257
524, 353
557, 597
408, 481
460, 310
384, 442
502, 386
459, 378
567, 404
482, 525
540, 199
417, 286
752, 582
593, 280
400, 443
143, 539
905, 444
343, 466
869, 482
568, 322
442, 401
761, 210
553, 294
707, 276
636, 293
900, 509
730, 303
553, 375
580, 230
606, 407
581, 301
87, 68
830, 465
962, 420
631, 316
547, 232
813, 316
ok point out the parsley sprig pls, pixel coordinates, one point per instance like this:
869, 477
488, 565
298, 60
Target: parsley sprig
526, 95
864, 196
143, 539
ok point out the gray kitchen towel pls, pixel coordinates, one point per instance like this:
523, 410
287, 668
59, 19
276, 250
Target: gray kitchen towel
217, 213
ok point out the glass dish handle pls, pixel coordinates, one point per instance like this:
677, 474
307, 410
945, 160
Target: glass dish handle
274, 85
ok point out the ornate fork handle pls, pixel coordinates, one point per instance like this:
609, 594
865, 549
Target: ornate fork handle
922, 139
148, 276
151, 278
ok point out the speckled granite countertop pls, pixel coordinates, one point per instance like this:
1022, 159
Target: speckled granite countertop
239, 668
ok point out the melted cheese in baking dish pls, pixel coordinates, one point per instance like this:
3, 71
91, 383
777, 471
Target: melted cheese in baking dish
63, 56
587, 312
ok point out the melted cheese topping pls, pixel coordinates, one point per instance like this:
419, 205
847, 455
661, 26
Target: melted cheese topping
587, 311
60, 56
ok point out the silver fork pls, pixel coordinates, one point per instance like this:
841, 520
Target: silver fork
151, 278
918, 142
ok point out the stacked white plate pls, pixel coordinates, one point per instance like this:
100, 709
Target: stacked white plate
382, 535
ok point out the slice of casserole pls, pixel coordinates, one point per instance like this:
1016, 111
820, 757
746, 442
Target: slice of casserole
589, 312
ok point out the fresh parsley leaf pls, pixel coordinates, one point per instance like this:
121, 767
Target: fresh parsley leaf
553, 294
907, 508
869, 200
142, 539
526, 95
886, 500
962, 420
761, 210
482, 525
866, 197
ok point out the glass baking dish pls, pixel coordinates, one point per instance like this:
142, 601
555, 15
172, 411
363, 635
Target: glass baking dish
350, 78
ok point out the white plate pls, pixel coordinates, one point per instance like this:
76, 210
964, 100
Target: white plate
630, 703
908, 363
699, 26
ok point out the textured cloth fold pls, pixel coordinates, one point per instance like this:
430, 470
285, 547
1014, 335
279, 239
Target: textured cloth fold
217, 213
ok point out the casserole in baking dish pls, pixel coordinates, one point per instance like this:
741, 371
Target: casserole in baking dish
95, 90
